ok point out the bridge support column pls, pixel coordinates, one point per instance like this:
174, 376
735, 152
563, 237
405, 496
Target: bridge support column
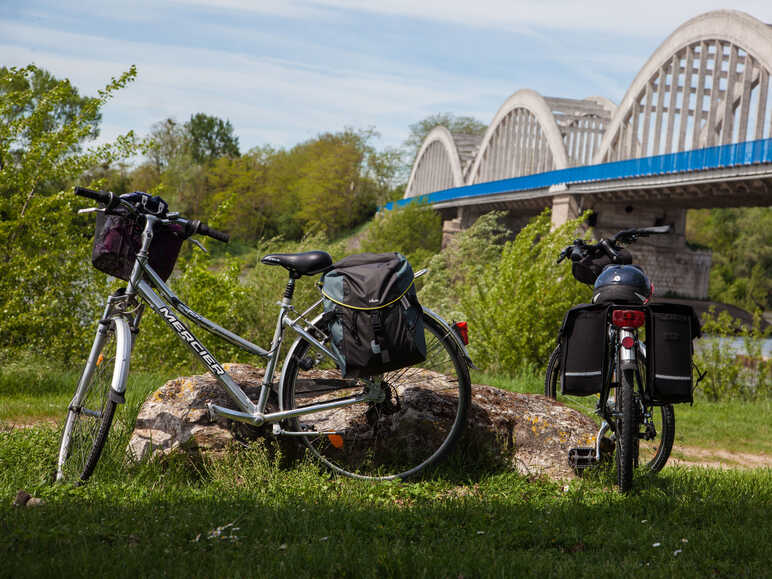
676, 269
564, 208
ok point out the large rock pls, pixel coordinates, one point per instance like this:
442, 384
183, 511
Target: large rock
528, 432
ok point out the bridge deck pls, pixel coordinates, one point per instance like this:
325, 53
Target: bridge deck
685, 178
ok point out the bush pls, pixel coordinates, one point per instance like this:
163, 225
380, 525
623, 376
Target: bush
727, 374
516, 304
414, 230
462, 263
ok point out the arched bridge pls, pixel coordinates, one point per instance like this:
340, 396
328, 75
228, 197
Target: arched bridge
693, 130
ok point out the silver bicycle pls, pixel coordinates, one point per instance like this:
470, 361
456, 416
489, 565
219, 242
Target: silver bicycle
381, 427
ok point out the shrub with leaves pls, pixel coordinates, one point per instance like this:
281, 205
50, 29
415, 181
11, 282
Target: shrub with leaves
49, 294
414, 230
728, 374
462, 263
515, 306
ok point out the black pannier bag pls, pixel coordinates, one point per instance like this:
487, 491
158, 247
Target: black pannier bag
118, 238
583, 338
373, 314
670, 329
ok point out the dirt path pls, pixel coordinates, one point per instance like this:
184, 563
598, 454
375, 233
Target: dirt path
718, 458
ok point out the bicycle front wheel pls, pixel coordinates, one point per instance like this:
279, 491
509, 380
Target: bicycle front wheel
418, 414
91, 410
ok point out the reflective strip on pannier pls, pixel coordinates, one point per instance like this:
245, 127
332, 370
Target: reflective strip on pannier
583, 345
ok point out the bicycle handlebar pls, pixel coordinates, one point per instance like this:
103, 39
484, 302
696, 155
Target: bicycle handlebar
580, 249
110, 201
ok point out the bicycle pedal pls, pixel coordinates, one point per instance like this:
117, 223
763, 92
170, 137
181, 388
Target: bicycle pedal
582, 458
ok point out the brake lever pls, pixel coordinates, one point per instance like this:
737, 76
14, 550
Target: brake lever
197, 243
91, 210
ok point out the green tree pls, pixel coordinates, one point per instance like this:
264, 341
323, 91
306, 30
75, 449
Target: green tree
210, 138
419, 130
31, 90
741, 240
47, 292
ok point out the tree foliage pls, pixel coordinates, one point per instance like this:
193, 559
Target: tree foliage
210, 138
741, 240
42, 104
46, 287
419, 130
513, 296
413, 230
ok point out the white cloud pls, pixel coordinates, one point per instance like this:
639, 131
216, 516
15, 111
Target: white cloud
654, 17
267, 100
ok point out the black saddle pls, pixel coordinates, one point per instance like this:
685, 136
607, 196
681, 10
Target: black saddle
306, 263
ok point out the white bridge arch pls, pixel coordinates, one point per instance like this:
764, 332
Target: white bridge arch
671, 106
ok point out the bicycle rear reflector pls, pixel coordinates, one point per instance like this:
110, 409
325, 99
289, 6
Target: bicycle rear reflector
336, 440
462, 331
628, 342
628, 318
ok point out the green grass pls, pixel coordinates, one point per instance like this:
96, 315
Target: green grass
733, 425
297, 521
32, 390
253, 513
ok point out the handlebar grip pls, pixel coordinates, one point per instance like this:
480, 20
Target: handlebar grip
101, 196
204, 229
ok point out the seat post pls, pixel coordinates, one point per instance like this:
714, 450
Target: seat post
289, 291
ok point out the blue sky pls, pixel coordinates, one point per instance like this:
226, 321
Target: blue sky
283, 71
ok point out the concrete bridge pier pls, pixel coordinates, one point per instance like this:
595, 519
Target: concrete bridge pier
674, 267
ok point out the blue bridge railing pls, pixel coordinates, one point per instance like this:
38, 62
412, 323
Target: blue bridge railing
720, 157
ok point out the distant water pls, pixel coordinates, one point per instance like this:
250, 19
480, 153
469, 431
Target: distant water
738, 346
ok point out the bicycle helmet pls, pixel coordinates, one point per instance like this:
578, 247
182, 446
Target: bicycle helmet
622, 284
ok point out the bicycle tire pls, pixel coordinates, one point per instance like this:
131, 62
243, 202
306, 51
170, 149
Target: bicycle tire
415, 425
89, 419
552, 376
626, 427
655, 453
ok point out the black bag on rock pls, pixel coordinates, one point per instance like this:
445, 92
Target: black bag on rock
373, 314
583, 340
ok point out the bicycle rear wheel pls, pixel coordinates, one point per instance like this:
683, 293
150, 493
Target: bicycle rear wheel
626, 427
91, 410
552, 377
418, 418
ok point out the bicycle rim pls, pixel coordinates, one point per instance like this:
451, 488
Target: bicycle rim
417, 421
653, 453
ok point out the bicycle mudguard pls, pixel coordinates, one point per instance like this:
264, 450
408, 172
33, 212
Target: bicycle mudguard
123, 339
456, 339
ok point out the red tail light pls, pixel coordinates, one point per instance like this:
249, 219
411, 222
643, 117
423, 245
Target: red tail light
462, 330
628, 318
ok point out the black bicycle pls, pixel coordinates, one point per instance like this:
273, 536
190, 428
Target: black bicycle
602, 351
